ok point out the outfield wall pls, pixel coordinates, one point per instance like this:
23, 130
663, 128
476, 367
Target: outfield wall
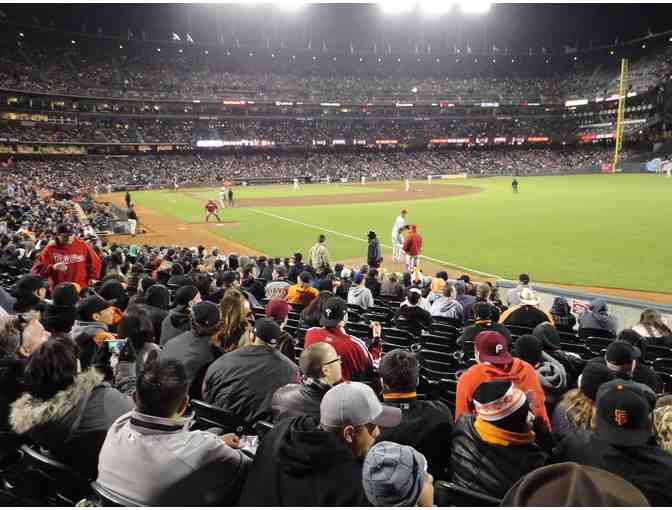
626, 311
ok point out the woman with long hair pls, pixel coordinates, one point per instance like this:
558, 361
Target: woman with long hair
310, 315
652, 325
235, 329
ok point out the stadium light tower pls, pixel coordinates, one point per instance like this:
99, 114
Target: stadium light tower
476, 7
396, 6
290, 5
436, 7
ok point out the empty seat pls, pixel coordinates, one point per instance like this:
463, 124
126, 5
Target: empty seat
207, 416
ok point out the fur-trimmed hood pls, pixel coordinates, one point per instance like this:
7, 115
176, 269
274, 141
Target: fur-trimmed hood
29, 412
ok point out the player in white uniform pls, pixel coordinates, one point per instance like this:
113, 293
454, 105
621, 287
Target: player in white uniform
363, 180
398, 238
429, 179
296, 184
328, 179
222, 197
408, 184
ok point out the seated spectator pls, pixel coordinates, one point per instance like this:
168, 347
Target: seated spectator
194, 348
411, 316
30, 293
157, 301
296, 269
343, 285
60, 315
95, 318
482, 296
278, 311
321, 369
396, 475
461, 295
152, 458
243, 381
359, 294
356, 359
234, 329
177, 276
302, 293
642, 373
20, 337
551, 345
311, 314
278, 288
114, 292
662, 423
66, 411
576, 410
494, 362
622, 358
483, 322
653, 326
494, 297
596, 321
303, 462
372, 283
437, 286
391, 288
426, 425
527, 313
250, 283
494, 447
571, 484
513, 295
551, 373
563, 318
621, 443
447, 306
179, 318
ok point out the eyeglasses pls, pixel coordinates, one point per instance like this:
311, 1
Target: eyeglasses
336, 360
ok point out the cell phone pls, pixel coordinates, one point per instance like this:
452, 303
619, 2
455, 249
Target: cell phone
116, 345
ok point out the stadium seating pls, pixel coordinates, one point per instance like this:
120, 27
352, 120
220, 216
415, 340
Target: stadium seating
449, 494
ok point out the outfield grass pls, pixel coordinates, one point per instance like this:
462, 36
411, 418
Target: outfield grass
592, 230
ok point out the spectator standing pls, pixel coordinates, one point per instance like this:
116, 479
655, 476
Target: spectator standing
318, 256
512, 296
412, 248
527, 313
68, 259
374, 254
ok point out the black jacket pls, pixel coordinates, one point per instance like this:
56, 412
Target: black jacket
374, 256
298, 399
255, 288
647, 467
297, 464
176, 322
426, 425
489, 468
417, 318
11, 386
195, 352
469, 334
295, 271
642, 374
244, 381
526, 315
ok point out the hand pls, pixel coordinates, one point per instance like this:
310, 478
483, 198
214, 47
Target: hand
376, 328
60, 266
231, 440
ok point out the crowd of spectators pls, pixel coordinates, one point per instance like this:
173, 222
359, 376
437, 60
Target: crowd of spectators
63, 69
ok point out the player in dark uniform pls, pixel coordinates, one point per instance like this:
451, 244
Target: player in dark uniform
230, 196
514, 185
128, 200
210, 209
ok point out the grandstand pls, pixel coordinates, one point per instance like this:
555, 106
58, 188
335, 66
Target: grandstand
191, 363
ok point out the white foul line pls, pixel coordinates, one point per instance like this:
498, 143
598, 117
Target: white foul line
342, 234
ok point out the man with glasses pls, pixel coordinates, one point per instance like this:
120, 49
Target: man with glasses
321, 369
303, 462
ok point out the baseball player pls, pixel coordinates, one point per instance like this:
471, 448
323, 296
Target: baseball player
210, 209
222, 197
408, 184
397, 237
296, 184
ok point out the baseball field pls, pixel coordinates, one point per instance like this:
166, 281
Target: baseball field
608, 231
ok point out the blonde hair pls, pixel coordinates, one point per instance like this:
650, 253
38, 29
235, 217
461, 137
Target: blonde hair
232, 311
580, 411
662, 424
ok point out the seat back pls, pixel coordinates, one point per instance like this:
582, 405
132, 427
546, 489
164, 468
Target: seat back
653, 352
597, 344
449, 494
518, 330
262, 428
594, 332
445, 330
663, 365
106, 497
208, 416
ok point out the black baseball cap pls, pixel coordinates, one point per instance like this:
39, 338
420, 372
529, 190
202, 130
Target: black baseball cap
524, 278
30, 283
622, 353
267, 330
593, 376
64, 229
206, 314
229, 277
333, 312
92, 304
623, 414
185, 294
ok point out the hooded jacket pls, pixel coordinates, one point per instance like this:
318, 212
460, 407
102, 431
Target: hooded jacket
373, 255
550, 342
156, 303
83, 263
360, 296
73, 423
413, 243
521, 373
11, 386
447, 307
596, 317
298, 464
552, 377
486, 467
300, 295
176, 322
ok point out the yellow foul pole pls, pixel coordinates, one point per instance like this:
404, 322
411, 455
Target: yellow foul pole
622, 91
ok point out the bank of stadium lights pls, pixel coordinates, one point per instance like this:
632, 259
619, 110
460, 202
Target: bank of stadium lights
438, 60
576, 58
314, 57
361, 59
611, 52
494, 60
206, 52
158, 50
251, 54
228, 53
433, 7
73, 42
21, 35
643, 46
121, 46
181, 50
293, 57
513, 60
272, 55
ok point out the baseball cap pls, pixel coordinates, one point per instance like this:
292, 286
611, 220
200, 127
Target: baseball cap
267, 330
66, 294
30, 283
354, 403
593, 376
623, 414
493, 348
92, 304
229, 277
333, 312
571, 484
621, 353
524, 278
64, 229
206, 314
403, 211
184, 295
277, 309
393, 474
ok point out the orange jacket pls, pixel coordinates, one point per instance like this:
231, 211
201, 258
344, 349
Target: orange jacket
521, 373
299, 295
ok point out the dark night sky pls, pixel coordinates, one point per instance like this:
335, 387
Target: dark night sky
514, 26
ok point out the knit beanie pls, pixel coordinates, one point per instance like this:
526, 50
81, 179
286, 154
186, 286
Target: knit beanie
502, 404
393, 474
571, 484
